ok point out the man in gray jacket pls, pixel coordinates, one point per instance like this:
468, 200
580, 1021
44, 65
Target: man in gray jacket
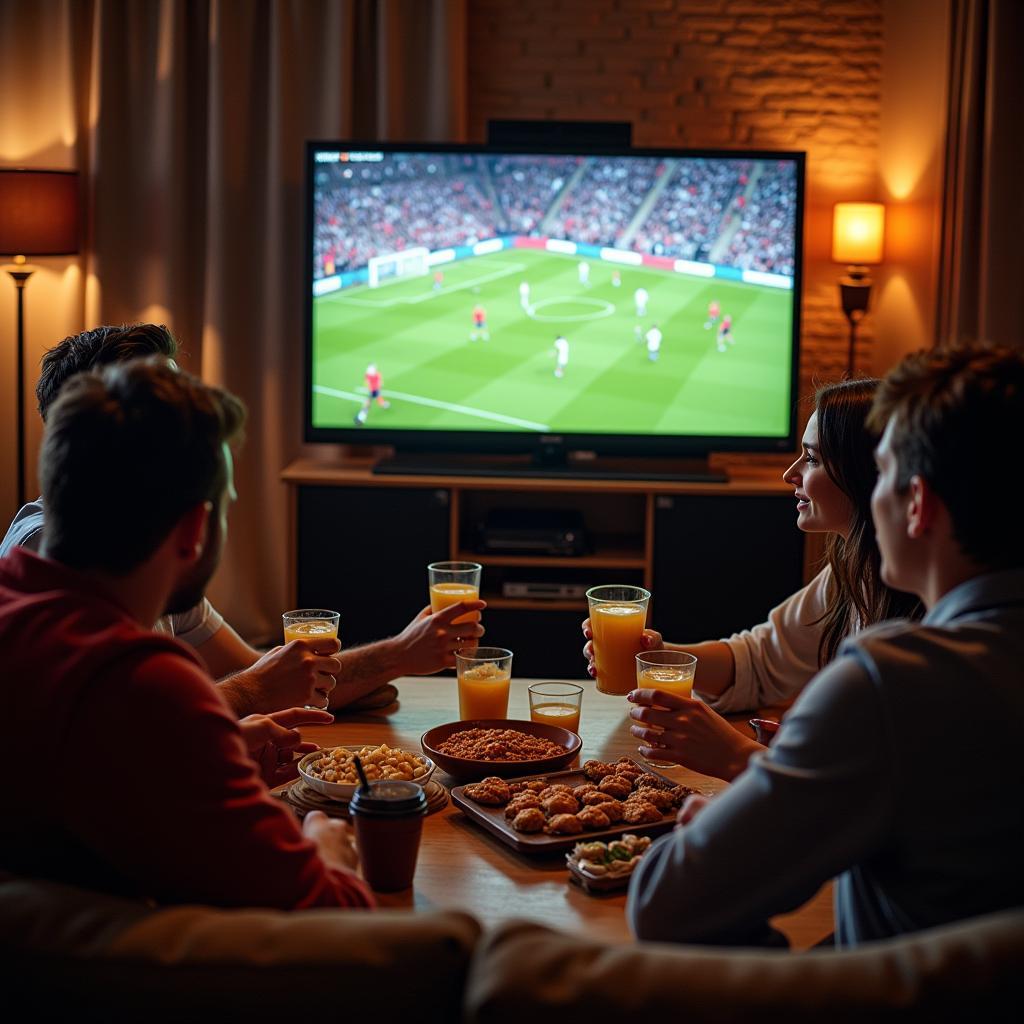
897, 772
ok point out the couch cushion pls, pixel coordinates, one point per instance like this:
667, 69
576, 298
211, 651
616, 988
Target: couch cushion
114, 959
523, 972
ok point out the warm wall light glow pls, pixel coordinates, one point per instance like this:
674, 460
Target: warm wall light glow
858, 232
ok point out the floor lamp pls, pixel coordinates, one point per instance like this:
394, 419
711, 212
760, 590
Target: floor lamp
858, 238
38, 217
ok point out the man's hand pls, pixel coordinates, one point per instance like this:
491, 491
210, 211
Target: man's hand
274, 740
691, 734
692, 806
650, 640
428, 644
334, 840
301, 672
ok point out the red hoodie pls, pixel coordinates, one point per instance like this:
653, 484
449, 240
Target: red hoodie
180, 816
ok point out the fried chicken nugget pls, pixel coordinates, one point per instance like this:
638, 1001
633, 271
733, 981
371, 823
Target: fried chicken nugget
529, 786
595, 798
530, 819
491, 792
559, 787
640, 812
597, 770
617, 786
663, 799
647, 781
563, 825
560, 803
521, 802
583, 789
626, 767
611, 809
593, 817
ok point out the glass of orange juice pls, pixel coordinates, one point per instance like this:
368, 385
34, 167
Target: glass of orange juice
451, 582
671, 671
484, 674
618, 614
311, 624
556, 704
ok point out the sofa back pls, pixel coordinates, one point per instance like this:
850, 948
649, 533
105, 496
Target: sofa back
970, 971
111, 959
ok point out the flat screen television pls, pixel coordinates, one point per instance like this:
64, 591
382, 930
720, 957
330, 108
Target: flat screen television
624, 301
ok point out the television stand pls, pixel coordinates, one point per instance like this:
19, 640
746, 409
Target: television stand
545, 466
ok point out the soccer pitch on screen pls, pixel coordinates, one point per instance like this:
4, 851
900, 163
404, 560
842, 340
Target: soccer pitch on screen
418, 332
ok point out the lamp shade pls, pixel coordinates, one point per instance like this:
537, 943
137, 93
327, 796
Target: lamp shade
858, 232
38, 212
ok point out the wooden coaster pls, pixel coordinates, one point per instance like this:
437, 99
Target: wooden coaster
303, 799
379, 698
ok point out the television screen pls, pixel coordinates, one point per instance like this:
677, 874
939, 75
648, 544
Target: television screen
631, 300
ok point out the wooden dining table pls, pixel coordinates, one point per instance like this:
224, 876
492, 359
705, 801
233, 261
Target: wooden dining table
463, 867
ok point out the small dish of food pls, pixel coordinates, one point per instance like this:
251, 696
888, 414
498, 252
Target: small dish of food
332, 770
603, 867
499, 747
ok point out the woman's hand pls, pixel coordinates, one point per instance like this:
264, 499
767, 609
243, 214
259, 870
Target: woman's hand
650, 640
274, 740
693, 735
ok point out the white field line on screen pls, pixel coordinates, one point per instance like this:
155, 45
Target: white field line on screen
433, 403
510, 268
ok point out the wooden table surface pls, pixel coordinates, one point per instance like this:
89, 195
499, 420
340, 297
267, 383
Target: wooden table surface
463, 867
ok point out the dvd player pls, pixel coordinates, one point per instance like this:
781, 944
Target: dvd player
534, 531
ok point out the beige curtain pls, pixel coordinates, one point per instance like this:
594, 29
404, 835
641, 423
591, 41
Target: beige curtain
981, 270
190, 119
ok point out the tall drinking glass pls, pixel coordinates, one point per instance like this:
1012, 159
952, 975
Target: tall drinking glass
485, 674
618, 615
671, 671
451, 582
311, 624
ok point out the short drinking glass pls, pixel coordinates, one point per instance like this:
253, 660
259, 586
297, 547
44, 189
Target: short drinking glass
556, 704
671, 671
484, 676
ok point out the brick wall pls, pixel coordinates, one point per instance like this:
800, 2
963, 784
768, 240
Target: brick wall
782, 74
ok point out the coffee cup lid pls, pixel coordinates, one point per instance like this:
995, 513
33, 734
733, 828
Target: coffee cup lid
389, 796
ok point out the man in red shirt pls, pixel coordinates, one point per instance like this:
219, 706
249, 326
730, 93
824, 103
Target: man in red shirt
373, 394
143, 781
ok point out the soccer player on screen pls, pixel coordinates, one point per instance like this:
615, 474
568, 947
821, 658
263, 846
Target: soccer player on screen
524, 294
616, 279
725, 332
438, 280
714, 311
653, 338
584, 272
372, 378
479, 324
640, 297
561, 355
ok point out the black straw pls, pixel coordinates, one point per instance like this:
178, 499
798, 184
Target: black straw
364, 782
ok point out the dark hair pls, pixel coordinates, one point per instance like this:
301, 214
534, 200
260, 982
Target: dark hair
102, 346
847, 450
956, 413
127, 451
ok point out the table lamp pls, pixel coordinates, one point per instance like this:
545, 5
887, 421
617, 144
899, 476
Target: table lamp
38, 217
858, 235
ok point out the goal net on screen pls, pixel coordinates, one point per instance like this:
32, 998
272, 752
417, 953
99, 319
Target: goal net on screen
410, 263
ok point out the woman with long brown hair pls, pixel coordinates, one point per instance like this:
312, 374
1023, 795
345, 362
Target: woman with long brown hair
771, 663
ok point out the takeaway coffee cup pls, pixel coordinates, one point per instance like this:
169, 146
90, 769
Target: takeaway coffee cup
388, 820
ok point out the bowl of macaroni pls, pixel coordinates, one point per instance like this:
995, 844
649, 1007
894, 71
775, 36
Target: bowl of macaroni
332, 770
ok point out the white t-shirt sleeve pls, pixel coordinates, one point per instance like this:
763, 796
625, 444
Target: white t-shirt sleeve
777, 658
195, 626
